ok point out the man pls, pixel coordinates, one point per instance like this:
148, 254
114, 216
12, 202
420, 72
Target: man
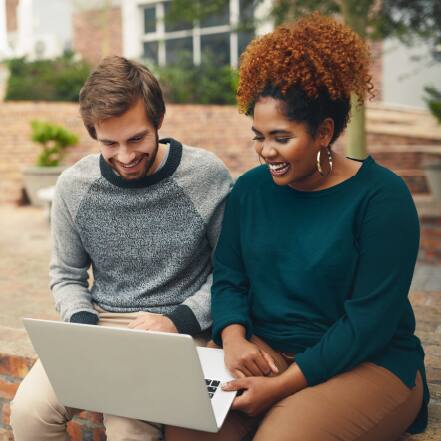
145, 215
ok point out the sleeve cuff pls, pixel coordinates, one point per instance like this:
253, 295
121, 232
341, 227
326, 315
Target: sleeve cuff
311, 371
217, 329
84, 317
185, 320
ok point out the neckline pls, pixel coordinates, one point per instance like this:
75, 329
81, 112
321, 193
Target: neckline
366, 163
170, 166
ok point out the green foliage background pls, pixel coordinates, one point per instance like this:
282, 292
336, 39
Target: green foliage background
433, 100
47, 80
207, 83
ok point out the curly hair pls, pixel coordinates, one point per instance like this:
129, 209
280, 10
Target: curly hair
316, 59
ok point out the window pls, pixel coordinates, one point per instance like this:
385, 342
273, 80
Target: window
150, 19
176, 49
246, 10
216, 47
172, 26
150, 52
166, 42
222, 17
244, 38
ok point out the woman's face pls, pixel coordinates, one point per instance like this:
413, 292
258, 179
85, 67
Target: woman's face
286, 146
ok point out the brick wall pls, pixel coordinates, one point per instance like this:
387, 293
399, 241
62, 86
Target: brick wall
11, 15
220, 129
12, 371
97, 34
430, 240
13, 368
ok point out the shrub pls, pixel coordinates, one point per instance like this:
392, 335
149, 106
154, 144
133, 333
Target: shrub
207, 83
433, 100
53, 139
46, 80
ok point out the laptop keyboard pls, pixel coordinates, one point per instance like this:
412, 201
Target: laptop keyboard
212, 385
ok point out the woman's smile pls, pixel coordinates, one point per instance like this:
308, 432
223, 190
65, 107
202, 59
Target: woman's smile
279, 168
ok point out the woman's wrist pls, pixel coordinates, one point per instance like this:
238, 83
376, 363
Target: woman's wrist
290, 381
232, 333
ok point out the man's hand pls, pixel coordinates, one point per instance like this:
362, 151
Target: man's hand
153, 322
259, 393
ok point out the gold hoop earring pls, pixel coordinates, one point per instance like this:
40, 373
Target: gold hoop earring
319, 165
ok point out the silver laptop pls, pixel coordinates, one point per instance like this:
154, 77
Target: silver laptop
151, 376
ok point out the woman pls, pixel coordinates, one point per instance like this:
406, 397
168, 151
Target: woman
315, 259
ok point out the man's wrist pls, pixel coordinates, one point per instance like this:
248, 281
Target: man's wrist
84, 317
184, 320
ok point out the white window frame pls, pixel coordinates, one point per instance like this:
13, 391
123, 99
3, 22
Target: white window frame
134, 37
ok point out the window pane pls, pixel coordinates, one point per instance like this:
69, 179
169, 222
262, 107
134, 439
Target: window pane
150, 19
150, 52
221, 17
177, 49
244, 38
246, 9
217, 47
175, 25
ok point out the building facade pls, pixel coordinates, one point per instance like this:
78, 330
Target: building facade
35, 29
149, 35
138, 29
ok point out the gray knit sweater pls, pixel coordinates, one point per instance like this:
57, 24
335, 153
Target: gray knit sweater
148, 241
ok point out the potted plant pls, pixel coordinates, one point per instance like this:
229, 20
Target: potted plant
432, 168
54, 140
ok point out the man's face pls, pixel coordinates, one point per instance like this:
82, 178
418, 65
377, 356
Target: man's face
129, 143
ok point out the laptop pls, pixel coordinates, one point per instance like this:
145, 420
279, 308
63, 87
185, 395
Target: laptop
151, 376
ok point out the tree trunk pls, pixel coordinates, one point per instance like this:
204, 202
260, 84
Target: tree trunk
355, 13
356, 133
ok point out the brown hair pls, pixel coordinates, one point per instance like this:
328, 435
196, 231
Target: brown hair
114, 86
316, 54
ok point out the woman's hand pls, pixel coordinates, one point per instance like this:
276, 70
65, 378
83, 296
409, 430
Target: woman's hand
259, 394
243, 358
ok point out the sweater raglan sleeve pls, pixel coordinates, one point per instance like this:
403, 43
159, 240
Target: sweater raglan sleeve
229, 300
69, 264
388, 246
194, 315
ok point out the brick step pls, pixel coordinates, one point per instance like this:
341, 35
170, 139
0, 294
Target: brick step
87, 426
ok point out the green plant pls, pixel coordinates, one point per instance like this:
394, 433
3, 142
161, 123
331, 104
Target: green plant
433, 100
207, 83
47, 80
53, 139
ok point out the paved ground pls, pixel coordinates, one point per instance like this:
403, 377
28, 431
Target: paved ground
426, 278
24, 291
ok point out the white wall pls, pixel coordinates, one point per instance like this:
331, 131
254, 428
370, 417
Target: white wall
404, 78
53, 25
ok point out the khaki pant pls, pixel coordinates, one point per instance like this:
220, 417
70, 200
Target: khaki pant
368, 403
36, 414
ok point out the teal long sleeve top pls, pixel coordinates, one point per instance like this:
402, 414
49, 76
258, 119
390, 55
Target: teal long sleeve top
323, 274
